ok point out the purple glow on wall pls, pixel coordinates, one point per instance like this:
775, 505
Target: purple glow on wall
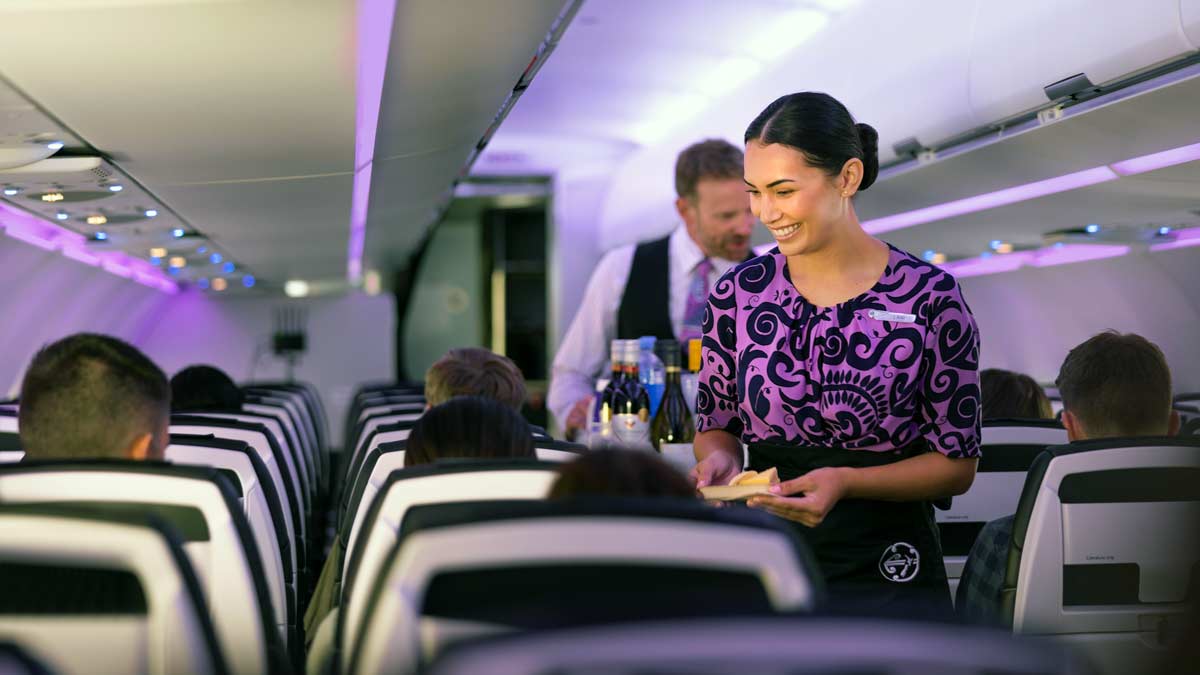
1182, 239
47, 236
375, 19
975, 267
1158, 160
1073, 253
990, 200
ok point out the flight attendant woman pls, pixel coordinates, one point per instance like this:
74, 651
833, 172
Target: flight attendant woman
850, 365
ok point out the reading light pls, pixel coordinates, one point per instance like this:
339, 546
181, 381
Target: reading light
53, 197
296, 288
216, 258
228, 268
55, 146
62, 215
1004, 248
219, 284
995, 244
115, 188
177, 232
150, 213
97, 219
202, 283
1092, 229
11, 192
928, 255
202, 250
938, 258
158, 252
1164, 230
101, 236
178, 261
248, 281
156, 261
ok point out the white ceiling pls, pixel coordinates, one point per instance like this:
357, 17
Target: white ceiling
238, 114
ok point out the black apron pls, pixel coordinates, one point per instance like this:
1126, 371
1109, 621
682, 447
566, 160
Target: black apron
879, 558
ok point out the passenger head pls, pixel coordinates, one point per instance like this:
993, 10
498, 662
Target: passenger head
1116, 385
93, 396
1007, 395
711, 199
204, 388
617, 472
468, 427
472, 371
805, 159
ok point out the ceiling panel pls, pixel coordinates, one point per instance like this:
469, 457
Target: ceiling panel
450, 68
182, 93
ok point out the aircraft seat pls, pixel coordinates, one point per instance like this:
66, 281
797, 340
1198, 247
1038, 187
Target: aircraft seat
264, 515
198, 502
475, 568
1009, 447
768, 645
431, 483
1103, 550
80, 588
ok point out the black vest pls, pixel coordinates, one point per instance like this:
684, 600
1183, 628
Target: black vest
647, 309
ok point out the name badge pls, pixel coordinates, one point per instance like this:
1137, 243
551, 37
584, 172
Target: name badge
898, 317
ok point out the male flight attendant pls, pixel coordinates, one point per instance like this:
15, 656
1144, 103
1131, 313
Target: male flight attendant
658, 287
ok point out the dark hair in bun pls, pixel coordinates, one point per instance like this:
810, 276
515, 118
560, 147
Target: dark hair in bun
819, 126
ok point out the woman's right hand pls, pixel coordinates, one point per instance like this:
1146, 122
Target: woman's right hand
718, 468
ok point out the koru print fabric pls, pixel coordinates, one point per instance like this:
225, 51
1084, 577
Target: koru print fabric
896, 364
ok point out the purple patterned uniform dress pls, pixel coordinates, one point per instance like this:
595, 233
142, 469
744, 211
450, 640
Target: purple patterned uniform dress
883, 376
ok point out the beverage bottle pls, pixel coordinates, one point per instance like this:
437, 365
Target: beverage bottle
690, 381
601, 421
673, 423
631, 404
650, 371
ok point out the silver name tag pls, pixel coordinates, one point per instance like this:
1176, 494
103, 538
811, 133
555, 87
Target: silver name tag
892, 316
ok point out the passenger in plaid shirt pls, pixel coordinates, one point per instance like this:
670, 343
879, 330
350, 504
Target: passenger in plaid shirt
1112, 385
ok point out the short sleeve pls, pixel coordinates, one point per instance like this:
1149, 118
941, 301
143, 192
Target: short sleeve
716, 396
949, 412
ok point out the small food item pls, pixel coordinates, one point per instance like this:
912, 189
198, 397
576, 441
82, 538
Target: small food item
768, 477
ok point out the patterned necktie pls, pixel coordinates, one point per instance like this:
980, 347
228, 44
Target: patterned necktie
697, 297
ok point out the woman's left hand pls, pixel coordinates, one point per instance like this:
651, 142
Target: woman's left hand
820, 490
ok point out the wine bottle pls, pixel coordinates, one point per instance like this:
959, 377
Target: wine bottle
673, 423
604, 407
631, 404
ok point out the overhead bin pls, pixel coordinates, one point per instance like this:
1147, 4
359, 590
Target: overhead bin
1189, 13
1023, 46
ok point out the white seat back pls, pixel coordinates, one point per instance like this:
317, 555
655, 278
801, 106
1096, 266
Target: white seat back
160, 625
1104, 548
1008, 448
258, 516
286, 483
222, 551
673, 551
297, 463
426, 485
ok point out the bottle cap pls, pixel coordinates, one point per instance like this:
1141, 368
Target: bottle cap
668, 351
646, 343
694, 355
616, 351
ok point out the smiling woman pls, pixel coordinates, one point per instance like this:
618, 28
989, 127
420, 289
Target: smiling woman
848, 364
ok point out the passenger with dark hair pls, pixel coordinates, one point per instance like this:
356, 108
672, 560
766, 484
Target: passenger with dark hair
1112, 385
93, 396
657, 287
203, 388
468, 427
1009, 395
620, 473
848, 365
